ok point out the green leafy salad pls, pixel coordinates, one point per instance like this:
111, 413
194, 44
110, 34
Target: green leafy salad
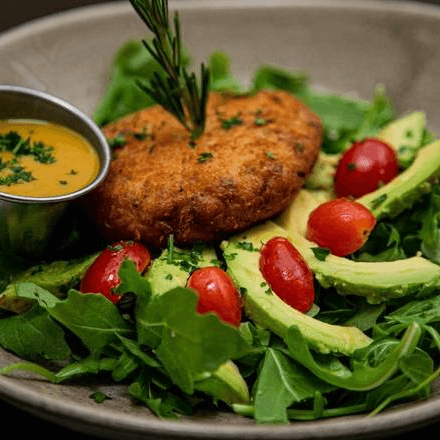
370, 340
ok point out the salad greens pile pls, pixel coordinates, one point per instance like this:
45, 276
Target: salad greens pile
168, 355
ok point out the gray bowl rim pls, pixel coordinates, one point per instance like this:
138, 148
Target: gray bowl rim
105, 151
121, 425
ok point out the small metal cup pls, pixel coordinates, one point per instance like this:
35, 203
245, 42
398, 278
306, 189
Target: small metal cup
28, 225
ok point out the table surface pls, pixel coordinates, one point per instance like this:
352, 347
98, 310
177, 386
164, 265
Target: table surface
22, 423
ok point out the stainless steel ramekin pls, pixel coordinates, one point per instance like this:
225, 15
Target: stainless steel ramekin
28, 224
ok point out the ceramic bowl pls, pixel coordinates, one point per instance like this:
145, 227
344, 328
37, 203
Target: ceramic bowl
345, 46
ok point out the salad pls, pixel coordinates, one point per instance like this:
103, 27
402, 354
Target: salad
361, 332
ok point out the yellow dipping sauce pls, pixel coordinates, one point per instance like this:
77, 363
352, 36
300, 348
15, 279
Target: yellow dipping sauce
74, 163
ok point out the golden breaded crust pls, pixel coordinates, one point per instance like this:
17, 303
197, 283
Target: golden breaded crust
248, 165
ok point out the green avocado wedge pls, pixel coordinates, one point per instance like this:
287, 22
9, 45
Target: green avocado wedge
405, 135
268, 310
376, 281
56, 277
407, 188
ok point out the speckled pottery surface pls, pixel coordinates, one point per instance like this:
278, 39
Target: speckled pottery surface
344, 46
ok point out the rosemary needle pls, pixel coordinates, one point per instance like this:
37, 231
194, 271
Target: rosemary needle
178, 92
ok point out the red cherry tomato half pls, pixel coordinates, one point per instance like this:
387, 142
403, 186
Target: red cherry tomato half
102, 276
340, 225
287, 273
365, 167
217, 293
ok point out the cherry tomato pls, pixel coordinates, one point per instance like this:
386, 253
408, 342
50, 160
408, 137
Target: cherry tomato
217, 293
364, 167
287, 273
102, 276
340, 225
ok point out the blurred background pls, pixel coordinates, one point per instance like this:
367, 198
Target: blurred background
15, 12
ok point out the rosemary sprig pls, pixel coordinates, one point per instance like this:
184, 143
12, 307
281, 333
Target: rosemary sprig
178, 92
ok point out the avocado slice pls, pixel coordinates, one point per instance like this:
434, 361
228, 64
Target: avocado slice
405, 135
407, 188
376, 281
56, 277
297, 213
323, 172
267, 310
167, 272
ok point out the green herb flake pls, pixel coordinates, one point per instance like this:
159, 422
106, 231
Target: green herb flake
377, 202
260, 121
170, 248
320, 253
227, 124
115, 247
12, 142
270, 155
247, 246
118, 141
351, 166
141, 135
230, 257
299, 147
203, 157
99, 397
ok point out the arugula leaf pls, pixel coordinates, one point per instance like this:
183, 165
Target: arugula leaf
187, 343
123, 95
384, 244
430, 227
93, 318
163, 402
282, 382
273, 78
425, 312
221, 78
363, 376
33, 334
378, 114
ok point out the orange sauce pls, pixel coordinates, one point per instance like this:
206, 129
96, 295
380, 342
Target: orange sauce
75, 162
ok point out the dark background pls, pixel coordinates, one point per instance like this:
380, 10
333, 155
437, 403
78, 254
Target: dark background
15, 12
16, 421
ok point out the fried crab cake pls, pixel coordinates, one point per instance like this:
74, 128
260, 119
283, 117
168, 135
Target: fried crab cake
248, 165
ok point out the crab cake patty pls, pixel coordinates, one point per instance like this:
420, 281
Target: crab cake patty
248, 165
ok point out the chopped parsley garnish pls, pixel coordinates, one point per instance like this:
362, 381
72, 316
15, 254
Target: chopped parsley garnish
186, 260
321, 253
247, 246
299, 147
99, 397
377, 202
270, 154
259, 120
227, 124
13, 143
118, 141
203, 157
